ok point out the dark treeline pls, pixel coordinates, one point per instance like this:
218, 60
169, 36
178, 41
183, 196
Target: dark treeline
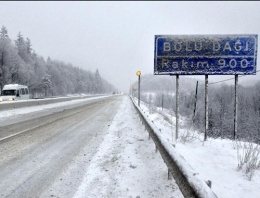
221, 104
20, 64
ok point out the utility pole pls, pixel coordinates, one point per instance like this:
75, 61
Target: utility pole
2, 74
162, 102
194, 112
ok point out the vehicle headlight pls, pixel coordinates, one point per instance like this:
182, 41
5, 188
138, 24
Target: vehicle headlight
10, 99
1, 99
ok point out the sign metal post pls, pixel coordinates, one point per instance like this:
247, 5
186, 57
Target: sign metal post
235, 108
138, 73
177, 107
206, 108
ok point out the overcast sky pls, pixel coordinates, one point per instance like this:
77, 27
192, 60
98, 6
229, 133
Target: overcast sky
118, 37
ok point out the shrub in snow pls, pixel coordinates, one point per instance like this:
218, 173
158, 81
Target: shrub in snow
187, 136
248, 156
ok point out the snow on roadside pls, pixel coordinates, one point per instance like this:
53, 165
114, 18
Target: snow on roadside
123, 172
126, 164
215, 159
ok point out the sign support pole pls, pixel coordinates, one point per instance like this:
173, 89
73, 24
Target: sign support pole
206, 108
235, 107
177, 106
139, 90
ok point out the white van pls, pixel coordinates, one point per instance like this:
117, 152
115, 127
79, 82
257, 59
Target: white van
14, 92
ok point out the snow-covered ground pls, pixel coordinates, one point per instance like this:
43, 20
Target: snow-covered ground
127, 165
214, 159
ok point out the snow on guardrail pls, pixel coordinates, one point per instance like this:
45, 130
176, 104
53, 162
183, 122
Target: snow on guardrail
188, 180
34, 102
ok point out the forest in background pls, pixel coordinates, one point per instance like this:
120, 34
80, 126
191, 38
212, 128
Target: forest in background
157, 90
20, 64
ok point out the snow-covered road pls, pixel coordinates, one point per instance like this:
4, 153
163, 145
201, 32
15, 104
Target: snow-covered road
101, 152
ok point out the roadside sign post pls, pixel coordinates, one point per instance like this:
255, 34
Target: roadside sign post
206, 108
177, 106
138, 73
235, 108
205, 55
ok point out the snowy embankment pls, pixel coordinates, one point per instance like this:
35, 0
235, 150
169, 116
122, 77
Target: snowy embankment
186, 177
215, 159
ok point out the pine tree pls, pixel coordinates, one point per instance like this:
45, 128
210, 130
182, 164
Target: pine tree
98, 83
6, 59
4, 33
19, 42
24, 47
28, 46
46, 84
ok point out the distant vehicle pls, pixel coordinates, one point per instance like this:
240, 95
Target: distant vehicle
14, 92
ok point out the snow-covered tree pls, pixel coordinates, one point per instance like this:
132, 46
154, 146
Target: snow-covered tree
4, 33
28, 46
46, 84
9, 60
20, 64
98, 83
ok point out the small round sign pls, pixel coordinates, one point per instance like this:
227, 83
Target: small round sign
138, 73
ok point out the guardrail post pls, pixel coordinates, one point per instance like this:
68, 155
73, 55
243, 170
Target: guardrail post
209, 183
169, 174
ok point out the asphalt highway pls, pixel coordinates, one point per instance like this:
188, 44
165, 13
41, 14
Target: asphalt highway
39, 153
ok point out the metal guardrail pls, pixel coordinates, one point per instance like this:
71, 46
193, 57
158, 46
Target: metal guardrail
35, 102
188, 180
